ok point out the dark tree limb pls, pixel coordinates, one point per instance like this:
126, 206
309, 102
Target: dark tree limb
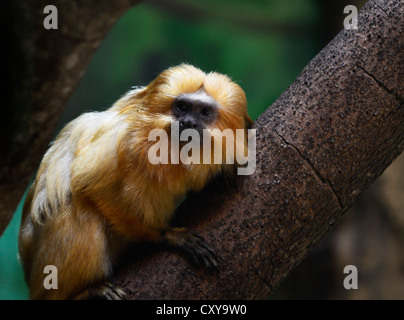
319, 146
42, 68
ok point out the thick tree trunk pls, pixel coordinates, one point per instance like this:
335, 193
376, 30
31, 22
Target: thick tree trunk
322, 143
42, 68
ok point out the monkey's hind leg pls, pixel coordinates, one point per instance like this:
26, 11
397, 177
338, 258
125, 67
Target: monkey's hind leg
77, 245
193, 245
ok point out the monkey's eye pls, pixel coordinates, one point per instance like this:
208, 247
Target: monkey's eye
206, 112
182, 107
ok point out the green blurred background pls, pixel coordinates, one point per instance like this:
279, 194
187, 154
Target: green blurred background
262, 45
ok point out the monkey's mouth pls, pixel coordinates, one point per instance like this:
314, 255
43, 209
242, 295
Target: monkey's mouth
187, 135
193, 133
195, 139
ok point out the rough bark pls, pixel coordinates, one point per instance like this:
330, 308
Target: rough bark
321, 144
42, 68
369, 236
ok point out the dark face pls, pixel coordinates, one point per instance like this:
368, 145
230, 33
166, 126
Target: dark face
195, 110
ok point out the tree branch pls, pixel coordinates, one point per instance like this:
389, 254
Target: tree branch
42, 68
321, 144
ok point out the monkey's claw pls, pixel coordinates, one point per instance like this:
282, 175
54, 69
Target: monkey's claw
106, 291
195, 246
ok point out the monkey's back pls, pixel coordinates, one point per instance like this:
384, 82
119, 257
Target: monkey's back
55, 229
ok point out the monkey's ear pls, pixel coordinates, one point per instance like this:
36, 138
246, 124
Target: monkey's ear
136, 92
128, 97
248, 122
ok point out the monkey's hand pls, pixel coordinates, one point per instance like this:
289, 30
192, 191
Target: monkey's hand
193, 244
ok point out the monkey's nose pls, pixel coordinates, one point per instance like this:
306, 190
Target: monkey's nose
188, 124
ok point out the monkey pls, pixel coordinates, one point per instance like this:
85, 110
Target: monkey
96, 191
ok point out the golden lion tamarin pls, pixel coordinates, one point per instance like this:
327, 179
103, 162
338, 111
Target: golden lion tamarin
96, 190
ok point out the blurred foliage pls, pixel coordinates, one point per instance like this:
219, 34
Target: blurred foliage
262, 45
12, 283
215, 35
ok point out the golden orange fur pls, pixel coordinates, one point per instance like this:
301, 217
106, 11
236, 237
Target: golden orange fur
96, 190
